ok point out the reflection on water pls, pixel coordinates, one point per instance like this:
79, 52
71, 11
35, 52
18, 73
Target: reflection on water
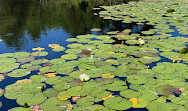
24, 22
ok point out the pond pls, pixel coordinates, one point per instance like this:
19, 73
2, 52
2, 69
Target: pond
54, 55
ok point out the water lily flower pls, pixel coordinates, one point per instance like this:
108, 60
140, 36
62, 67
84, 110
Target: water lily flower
141, 41
84, 77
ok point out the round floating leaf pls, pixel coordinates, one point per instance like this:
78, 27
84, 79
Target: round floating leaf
38, 78
178, 100
58, 49
19, 73
32, 87
73, 51
25, 59
21, 54
1, 77
54, 80
13, 95
129, 93
57, 61
7, 61
63, 96
8, 68
74, 91
53, 104
148, 95
1, 92
39, 53
141, 103
5, 55
69, 56
50, 92
107, 76
31, 99
136, 79
118, 103
117, 85
104, 81
20, 109
98, 108
74, 45
86, 101
31, 67
39, 61
65, 70
47, 69
61, 86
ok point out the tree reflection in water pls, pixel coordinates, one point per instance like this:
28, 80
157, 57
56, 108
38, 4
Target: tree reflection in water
21, 20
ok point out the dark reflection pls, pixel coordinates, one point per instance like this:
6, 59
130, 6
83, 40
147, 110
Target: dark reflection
23, 20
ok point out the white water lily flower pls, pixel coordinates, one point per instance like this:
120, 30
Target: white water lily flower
84, 77
141, 41
89, 49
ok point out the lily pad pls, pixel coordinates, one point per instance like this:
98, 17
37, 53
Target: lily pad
117, 103
21, 54
129, 94
53, 104
31, 99
20, 109
1, 77
32, 87
136, 79
38, 78
19, 73
69, 56
39, 53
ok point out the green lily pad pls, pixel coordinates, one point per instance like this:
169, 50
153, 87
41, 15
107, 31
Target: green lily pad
21, 54
1, 77
63, 95
86, 101
129, 94
38, 78
53, 104
20, 109
117, 85
73, 51
62, 86
54, 80
31, 99
25, 59
69, 56
141, 103
19, 73
1, 92
7, 61
50, 92
56, 61
117, 103
32, 87
58, 49
39, 53
5, 55
47, 69
136, 79
148, 95
39, 61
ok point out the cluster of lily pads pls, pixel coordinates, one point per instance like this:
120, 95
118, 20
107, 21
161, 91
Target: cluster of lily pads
96, 74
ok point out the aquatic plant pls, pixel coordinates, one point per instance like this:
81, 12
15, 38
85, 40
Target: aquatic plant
84, 77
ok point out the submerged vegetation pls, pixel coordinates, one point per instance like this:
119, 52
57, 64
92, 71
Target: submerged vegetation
95, 73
